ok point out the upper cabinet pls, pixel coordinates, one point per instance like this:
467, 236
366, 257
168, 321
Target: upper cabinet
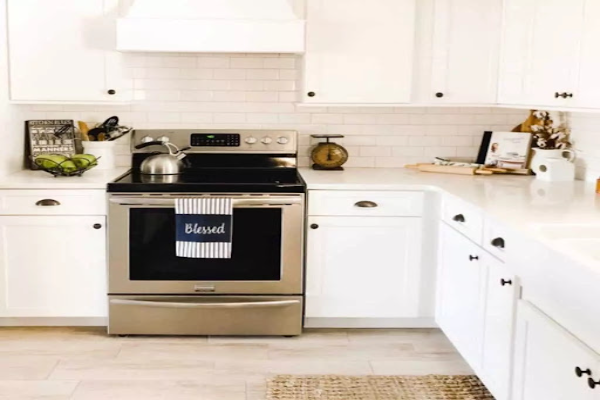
64, 51
541, 52
359, 52
458, 48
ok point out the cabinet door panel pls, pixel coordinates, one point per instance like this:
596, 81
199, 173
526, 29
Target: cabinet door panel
545, 360
52, 266
587, 94
59, 51
359, 52
465, 52
363, 267
540, 51
459, 295
499, 317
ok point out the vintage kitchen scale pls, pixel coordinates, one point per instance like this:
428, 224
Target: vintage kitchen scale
327, 155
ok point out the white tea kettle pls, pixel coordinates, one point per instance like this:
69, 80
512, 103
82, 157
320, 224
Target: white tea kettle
170, 163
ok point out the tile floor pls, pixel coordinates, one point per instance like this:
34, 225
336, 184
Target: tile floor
85, 364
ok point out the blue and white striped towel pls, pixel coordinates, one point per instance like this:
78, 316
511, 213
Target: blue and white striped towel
204, 227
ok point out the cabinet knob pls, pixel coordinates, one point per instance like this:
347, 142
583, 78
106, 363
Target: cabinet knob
472, 258
505, 282
366, 204
592, 383
498, 242
459, 218
564, 95
311, 94
97, 226
570, 95
314, 226
47, 203
439, 95
580, 372
112, 92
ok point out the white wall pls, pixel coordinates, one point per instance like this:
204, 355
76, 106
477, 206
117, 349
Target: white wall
250, 91
11, 123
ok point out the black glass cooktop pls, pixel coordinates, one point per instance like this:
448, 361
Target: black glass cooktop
213, 180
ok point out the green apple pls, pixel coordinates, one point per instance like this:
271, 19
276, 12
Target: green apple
50, 161
84, 160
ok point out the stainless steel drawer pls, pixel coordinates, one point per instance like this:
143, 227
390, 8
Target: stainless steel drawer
205, 315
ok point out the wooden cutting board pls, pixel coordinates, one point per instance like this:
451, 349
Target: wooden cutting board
445, 169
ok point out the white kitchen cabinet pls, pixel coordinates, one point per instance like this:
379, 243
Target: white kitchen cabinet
501, 293
461, 52
546, 360
64, 51
53, 266
460, 294
359, 52
587, 94
541, 52
363, 267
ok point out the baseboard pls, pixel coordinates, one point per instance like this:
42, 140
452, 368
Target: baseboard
54, 321
369, 323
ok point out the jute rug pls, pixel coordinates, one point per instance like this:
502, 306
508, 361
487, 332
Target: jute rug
326, 387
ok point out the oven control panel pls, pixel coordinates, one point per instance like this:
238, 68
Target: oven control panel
219, 140
215, 140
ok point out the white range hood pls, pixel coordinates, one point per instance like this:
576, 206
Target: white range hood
213, 26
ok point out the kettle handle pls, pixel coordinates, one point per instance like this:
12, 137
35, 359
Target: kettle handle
148, 144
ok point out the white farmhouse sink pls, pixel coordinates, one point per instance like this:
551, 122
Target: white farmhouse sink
581, 239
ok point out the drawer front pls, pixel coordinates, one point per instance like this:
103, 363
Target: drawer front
52, 202
365, 203
463, 217
496, 239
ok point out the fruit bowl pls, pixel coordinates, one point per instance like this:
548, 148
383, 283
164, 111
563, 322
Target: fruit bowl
59, 165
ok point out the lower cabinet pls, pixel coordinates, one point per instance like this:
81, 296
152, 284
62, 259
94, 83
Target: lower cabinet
363, 267
460, 296
53, 266
501, 294
550, 363
476, 300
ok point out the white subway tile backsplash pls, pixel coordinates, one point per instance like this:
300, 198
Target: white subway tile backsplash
260, 91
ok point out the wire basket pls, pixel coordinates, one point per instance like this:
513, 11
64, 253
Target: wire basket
67, 167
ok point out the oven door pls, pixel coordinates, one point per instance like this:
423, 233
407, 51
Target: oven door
267, 255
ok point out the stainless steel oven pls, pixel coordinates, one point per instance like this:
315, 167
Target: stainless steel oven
259, 289
266, 259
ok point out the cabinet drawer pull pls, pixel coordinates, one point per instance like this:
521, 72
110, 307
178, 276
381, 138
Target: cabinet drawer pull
505, 282
459, 218
473, 258
592, 383
97, 226
366, 204
439, 95
498, 242
311, 94
47, 203
112, 92
314, 226
580, 372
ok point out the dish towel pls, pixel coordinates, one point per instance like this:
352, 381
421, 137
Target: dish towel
204, 227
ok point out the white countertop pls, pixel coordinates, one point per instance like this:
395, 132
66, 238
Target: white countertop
93, 179
521, 203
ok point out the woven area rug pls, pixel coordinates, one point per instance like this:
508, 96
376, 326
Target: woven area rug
326, 387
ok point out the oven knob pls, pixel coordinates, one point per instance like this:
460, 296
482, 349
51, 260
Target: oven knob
163, 139
147, 139
266, 140
283, 140
250, 140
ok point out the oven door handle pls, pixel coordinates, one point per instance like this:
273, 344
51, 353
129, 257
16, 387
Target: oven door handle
165, 304
148, 202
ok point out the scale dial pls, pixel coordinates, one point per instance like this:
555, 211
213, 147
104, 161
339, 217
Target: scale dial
329, 155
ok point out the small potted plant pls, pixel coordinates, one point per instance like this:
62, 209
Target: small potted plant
549, 140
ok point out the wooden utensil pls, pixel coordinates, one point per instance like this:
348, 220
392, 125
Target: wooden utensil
84, 129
